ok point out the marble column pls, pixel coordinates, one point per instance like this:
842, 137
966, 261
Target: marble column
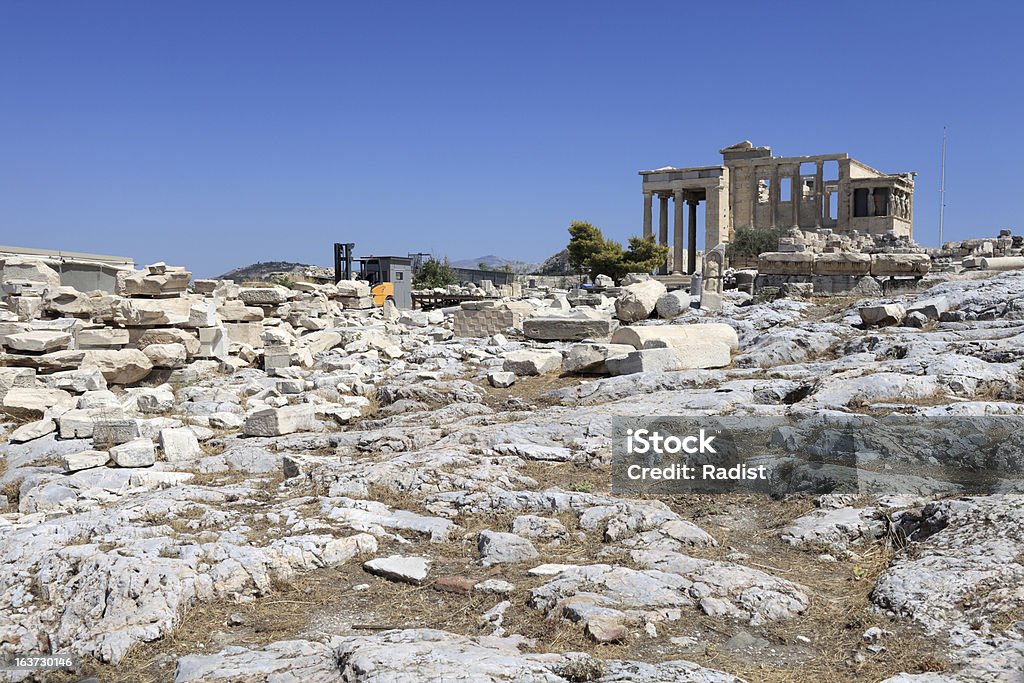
773, 197
648, 211
663, 219
819, 193
677, 237
691, 243
797, 195
663, 228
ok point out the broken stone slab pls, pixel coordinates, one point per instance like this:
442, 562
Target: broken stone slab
202, 314
532, 362
225, 421
399, 568
107, 433
38, 341
33, 403
320, 341
32, 431
500, 379
75, 381
880, 316
574, 327
842, 263
694, 355
785, 263
351, 289
638, 301
888, 265
263, 296
167, 355
644, 360
149, 312
16, 377
341, 550
30, 269
605, 629
102, 338
590, 358
213, 342
80, 423
188, 338
497, 547
135, 453
931, 308
74, 462
154, 401
637, 336
250, 334
155, 280
180, 444
290, 386
122, 366
236, 311
280, 421
916, 319
69, 301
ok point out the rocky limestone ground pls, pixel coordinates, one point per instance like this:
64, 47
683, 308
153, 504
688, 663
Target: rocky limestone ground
381, 510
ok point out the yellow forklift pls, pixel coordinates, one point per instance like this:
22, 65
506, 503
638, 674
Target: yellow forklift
390, 277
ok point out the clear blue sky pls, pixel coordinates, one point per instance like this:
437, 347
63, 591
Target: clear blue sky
215, 134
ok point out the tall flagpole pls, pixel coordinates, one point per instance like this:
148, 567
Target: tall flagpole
942, 186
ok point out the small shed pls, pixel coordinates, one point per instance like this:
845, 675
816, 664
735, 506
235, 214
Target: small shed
394, 269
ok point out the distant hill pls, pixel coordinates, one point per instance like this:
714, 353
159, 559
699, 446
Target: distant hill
554, 265
267, 270
492, 262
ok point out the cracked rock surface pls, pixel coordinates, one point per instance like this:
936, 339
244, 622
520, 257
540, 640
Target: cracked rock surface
341, 493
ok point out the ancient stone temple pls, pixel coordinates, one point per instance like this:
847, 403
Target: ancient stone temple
752, 188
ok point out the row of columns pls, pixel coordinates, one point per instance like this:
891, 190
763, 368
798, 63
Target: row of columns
796, 194
678, 242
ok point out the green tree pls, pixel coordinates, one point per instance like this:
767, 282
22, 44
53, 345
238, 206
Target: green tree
434, 273
609, 260
644, 255
753, 242
585, 242
590, 253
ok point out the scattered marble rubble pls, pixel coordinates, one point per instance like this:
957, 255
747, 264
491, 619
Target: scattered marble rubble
353, 436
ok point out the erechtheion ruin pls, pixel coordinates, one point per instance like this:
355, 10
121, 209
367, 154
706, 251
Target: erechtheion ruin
752, 188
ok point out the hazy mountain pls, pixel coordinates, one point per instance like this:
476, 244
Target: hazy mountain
256, 272
492, 262
554, 265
